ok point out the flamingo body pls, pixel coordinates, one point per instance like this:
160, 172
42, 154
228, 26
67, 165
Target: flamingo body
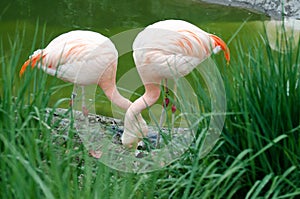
78, 56
83, 58
171, 49
165, 50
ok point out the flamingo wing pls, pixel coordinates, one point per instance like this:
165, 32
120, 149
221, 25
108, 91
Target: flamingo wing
77, 56
173, 48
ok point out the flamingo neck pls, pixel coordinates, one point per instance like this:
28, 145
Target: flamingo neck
115, 97
120, 101
135, 127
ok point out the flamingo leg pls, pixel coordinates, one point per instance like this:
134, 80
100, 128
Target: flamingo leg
73, 95
163, 111
161, 121
94, 153
85, 111
174, 108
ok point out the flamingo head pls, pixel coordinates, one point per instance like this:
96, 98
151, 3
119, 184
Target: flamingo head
136, 129
33, 59
219, 44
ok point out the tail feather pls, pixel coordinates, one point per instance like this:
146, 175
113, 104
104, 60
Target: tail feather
31, 61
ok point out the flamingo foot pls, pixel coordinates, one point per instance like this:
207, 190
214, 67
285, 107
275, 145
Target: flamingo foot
95, 154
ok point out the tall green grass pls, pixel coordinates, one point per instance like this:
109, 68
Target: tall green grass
262, 87
257, 155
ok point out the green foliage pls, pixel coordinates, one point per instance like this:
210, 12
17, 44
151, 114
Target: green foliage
257, 155
262, 87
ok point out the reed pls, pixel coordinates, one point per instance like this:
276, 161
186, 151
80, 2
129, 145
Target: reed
257, 155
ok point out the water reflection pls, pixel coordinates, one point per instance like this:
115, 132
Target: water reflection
115, 13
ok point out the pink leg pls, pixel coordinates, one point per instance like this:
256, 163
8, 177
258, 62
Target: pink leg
85, 111
165, 104
174, 107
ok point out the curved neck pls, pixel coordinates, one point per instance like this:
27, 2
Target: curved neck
151, 95
135, 126
114, 96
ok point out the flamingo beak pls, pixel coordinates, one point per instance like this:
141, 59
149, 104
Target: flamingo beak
31, 61
221, 45
27, 63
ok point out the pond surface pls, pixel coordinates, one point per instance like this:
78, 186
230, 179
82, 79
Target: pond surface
110, 17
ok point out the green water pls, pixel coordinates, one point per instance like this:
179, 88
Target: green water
110, 17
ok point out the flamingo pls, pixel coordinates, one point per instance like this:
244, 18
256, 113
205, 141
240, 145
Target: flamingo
83, 58
167, 49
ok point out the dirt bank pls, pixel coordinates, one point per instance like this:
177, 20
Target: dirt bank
273, 8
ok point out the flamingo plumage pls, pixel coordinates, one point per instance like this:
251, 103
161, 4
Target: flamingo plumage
83, 58
167, 49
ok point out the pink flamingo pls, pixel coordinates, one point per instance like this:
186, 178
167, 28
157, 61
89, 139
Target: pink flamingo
165, 50
83, 58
